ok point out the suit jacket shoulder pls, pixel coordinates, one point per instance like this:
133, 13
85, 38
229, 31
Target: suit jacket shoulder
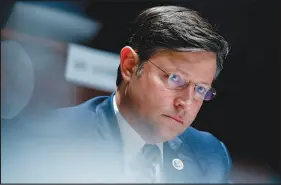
83, 119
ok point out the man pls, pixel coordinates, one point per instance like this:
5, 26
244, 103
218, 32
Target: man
142, 132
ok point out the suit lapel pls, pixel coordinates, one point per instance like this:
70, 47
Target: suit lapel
109, 120
110, 131
180, 149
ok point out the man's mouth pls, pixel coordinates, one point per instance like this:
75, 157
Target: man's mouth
178, 119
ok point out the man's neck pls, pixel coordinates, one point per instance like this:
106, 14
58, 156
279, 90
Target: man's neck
126, 110
127, 131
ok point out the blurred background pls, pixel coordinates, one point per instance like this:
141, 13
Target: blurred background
61, 53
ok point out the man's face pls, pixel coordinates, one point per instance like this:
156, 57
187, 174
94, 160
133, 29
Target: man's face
166, 113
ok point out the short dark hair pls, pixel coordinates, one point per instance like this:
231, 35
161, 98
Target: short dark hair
174, 28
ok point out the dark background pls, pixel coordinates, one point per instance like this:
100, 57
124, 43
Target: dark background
245, 115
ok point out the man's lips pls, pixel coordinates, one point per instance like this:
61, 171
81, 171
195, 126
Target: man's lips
178, 119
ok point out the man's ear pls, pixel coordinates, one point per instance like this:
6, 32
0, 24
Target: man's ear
128, 62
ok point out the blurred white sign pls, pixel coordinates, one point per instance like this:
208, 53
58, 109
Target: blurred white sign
92, 68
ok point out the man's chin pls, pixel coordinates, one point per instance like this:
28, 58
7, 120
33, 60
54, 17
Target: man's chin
158, 139
164, 137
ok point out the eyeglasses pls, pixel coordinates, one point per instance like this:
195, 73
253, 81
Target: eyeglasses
176, 82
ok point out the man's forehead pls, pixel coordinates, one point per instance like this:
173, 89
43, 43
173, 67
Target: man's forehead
184, 56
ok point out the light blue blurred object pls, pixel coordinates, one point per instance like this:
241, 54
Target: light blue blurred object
275, 180
67, 6
56, 20
18, 79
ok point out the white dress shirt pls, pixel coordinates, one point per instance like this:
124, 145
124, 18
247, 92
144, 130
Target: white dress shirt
133, 144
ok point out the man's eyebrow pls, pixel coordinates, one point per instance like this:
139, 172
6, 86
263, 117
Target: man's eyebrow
205, 83
179, 69
187, 76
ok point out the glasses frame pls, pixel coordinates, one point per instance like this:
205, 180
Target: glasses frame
186, 84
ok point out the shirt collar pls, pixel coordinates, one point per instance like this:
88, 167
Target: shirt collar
133, 142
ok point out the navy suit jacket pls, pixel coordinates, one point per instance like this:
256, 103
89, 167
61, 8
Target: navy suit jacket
83, 144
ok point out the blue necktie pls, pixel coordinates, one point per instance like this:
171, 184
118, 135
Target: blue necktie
147, 160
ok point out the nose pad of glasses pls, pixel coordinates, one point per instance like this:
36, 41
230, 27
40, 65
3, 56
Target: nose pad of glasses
197, 96
190, 88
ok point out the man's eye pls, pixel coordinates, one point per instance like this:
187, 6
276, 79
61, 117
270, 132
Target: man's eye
201, 90
176, 80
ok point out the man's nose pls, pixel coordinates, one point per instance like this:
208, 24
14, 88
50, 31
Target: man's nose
185, 97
